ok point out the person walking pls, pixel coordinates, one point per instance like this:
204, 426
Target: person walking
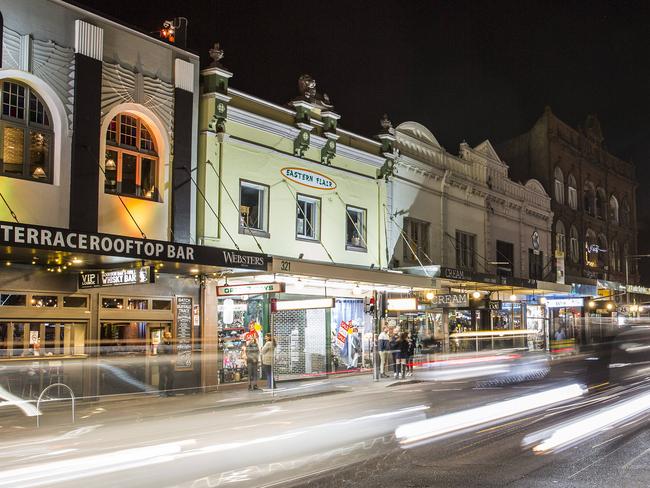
383, 342
402, 355
165, 352
394, 352
268, 351
252, 353
410, 355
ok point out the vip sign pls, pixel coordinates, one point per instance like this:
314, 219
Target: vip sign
129, 276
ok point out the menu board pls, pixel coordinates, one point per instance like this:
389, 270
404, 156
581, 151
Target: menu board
184, 331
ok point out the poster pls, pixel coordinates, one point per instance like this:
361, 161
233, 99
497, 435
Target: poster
342, 335
184, 329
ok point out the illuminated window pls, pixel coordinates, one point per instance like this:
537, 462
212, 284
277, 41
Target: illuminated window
572, 193
559, 186
131, 159
560, 237
308, 218
25, 134
416, 246
355, 228
253, 208
574, 244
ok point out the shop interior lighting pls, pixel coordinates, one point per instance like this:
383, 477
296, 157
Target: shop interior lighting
430, 295
300, 284
542, 300
194, 270
356, 290
592, 304
609, 306
476, 294
281, 305
39, 173
513, 297
110, 164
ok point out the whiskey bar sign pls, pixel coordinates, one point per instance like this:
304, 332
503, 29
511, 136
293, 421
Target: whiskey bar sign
117, 277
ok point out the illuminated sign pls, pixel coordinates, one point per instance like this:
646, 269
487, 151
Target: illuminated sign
309, 178
450, 300
117, 277
250, 289
564, 302
308, 304
401, 304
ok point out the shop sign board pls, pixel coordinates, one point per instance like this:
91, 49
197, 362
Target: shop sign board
450, 300
468, 275
642, 290
184, 333
250, 289
401, 304
494, 304
66, 240
311, 179
564, 302
117, 277
307, 304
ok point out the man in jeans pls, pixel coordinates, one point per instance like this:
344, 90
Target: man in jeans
166, 365
252, 351
384, 352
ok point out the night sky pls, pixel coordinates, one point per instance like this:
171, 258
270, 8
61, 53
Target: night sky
466, 70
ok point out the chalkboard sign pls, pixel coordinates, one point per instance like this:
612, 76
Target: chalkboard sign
184, 331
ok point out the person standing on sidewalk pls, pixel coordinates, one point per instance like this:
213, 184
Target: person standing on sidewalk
402, 355
383, 342
410, 355
252, 354
394, 351
166, 365
268, 350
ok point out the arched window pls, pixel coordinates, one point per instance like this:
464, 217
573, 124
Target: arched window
560, 237
613, 210
615, 257
572, 192
602, 251
601, 203
131, 163
558, 191
575, 244
591, 249
25, 134
625, 213
590, 199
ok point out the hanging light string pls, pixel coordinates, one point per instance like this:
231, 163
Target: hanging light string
13, 214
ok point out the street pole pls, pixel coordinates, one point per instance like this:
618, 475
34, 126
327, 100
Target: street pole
377, 320
627, 280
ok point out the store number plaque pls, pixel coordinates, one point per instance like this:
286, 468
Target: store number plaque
184, 332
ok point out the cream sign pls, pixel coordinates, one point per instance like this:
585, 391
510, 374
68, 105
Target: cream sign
305, 177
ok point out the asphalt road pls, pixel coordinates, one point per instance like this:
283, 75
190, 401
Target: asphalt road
344, 439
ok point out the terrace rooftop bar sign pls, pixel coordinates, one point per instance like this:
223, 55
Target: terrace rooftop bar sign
309, 178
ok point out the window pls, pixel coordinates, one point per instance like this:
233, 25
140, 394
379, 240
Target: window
465, 245
560, 237
625, 213
42, 339
615, 257
535, 264
591, 249
601, 204
25, 134
13, 300
131, 159
572, 193
308, 218
559, 185
575, 244
602, 250
253, 208
417, 234
590, 199
355, 228
505, 258
613, 210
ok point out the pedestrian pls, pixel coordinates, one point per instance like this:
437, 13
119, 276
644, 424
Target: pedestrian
402, 354
166, 365
393, 351
410, 355
383, 342
252, 354
268, 351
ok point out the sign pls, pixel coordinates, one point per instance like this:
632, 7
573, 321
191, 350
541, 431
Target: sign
401, 304
184, 333
250, 289
66, 240
494, 305
468, 275
643, 290
534, 239
197, 316
117, 277
309, 178
33, 338
342, 336
451, 300
281, 305
564, 302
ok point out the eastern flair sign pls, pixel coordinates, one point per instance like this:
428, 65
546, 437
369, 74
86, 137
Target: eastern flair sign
309, 178
66, 240
117, 277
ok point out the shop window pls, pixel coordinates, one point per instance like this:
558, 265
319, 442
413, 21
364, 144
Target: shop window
42, 339
253, 208
44, 301
25, 134
137, 304
535, 264
308, 218
108, 302
13, 300
575, 244
417, 235
559, 186
355, 229
131, 159
572, 193
505, 258
161, 304
465, 249
75, 302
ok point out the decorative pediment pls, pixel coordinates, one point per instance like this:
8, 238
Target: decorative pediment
487, 149
536, 186
418, 132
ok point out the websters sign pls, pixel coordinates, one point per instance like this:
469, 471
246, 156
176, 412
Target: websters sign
51, 238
